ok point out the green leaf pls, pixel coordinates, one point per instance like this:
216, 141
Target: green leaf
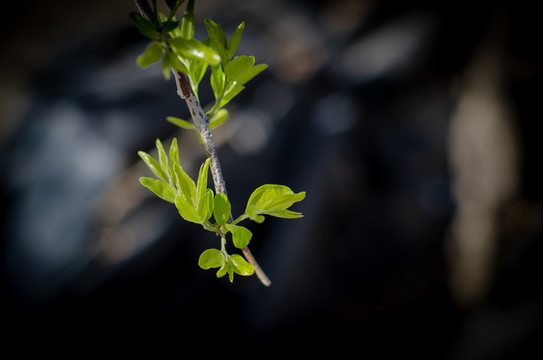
193, 49
222, 208
145, 27
217, 80
219, 118
230, 269
187, 26
153, 165
238, 66
241, 236
251, 73
197, 71
180, 122
205, 205
174, 152
174, 4
285, 214
234, 40
211, 258
185, 184
169, 26
201, 187
171, 60
241, 266
187, 210
160, 189
152, 54
222, 270
218, 39
231, 92
271, 200
163, 160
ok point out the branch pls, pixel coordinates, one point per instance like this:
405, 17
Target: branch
201, 122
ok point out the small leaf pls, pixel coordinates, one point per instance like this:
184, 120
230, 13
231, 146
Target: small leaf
218, 39
187, 210
174, 152
241, 236
230, 269
201, 186
238, 66
219, 118
163, 160
187, 26
173, 4
205, 205
152, 54
285, 214
211, 258
153, 165
171, 60
231, 92
221, 210
160, 189
197, 70
241, 266
193, 49
272, 200
234, 40
184, 184
169, 26
145, 27
222, 270
217, 80
251, 73
180, 122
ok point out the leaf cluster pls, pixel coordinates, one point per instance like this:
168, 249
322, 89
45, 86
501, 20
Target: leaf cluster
198, 204
173, 44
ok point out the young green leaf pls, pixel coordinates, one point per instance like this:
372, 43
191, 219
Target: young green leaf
152, 54
187, 26
163, 160
187, 210
241, 236
222, 271
231, 92
145, 27
238, 66
251, 73
218, 39
205, 205
230, 269
174, 152
160, 189
174, 4
169, 26
272, 200
211, 258
193, 49
234, 40
219, 118
221, 210
217, 80
171, 60
153, 165
241, 267
184, 124
197, 71
184, 184
201, 186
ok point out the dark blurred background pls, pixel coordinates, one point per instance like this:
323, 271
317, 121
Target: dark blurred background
412, 125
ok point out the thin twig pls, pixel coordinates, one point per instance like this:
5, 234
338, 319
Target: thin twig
201, 122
